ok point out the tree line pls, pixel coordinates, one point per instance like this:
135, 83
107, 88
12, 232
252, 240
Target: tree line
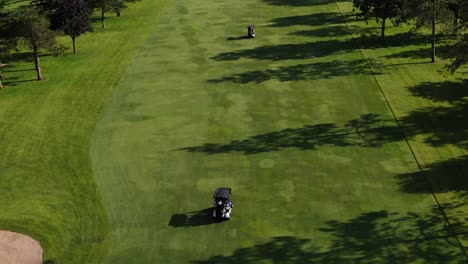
441, 17
38, 25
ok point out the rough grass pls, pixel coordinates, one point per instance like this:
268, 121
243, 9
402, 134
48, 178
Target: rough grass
48, 186
296, 123
431, 106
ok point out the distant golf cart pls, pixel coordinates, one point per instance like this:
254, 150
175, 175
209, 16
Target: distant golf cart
251, 31
222, 203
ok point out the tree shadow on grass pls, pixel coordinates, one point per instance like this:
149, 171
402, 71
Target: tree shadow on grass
316, 19
22, 57
317, 49
369, 130
374, 237
447, 175
287, 51
299, 2
448, 91
12, 68
441, 177
311, 71
442, 51
13, 81
191, 219
334, 31
441, 125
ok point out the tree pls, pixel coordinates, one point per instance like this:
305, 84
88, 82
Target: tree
460, 50
430, 13
118, 5
5, 43
382, 10
456, 7
34, 30
103, 5
460, 53
73, 17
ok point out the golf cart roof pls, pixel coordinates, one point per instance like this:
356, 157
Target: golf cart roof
222, 193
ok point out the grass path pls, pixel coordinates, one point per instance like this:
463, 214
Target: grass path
293, 121
48, 189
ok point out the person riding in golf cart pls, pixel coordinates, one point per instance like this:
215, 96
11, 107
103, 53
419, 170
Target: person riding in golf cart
223, 203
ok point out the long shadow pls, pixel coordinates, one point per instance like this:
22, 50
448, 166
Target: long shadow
299, 2
316, 19
448, 91
448, 175
442, 51
319, 48
237, 38
374, 237
333, 31
20, 57
311, 71
13, 81
191, 219
369, 130
288, 51
441, 125
22, 70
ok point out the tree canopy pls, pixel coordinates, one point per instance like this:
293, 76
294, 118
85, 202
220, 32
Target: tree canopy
460, 50
382, 10
73, 17
5, 43
33, 29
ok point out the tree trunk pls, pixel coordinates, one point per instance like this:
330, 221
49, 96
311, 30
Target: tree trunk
1, 78
383, 28
456, 22
37, 64
118, 11
433, 57
103, 7
74, 44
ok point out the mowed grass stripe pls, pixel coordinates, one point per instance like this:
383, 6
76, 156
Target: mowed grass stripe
293, 121
48, 188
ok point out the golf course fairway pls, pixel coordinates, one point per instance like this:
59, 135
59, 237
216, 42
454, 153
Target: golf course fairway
299, 122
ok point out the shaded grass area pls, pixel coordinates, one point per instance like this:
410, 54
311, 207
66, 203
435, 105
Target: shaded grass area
310, 71
191, 219
47, 183
373, 237
368, 131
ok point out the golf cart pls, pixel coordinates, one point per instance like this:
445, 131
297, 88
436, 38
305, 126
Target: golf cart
223, 203
251, 31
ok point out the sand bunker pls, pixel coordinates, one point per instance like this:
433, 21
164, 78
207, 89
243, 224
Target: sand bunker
16, 248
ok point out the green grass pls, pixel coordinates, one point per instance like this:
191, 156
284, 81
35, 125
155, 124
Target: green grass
48, 186
296, 123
